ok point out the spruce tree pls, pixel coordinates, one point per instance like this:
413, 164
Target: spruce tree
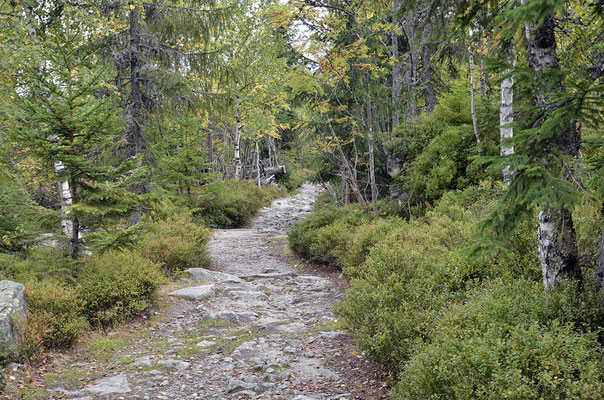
67, 112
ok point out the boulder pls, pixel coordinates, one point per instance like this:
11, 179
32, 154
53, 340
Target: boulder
202, 274
195, 293
13, 311
117, 384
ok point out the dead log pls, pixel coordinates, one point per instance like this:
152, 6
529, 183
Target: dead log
278, 171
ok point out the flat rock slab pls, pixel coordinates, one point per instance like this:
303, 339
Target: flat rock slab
249, 294
177, 365
229, 316
195, 293
202, 274
117, 384
273, 275
292, 328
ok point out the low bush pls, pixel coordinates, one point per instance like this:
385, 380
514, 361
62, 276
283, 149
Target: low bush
56, 314
229, 203
508, 340
176, 243
117, 285
40, 264
314, 237
442, 319
294, 177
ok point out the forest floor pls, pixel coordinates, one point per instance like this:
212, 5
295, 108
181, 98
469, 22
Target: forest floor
266, 330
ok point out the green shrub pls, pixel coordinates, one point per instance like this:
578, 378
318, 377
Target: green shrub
176, 243
443, 165
363, 239
55, 314
414, 269
294, 177
117, 285
230, 204
41, 264
508, 340
309, 240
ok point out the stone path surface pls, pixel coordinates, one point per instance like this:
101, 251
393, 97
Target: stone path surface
254, 326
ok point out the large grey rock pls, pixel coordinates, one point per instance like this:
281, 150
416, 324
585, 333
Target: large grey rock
272, 275
142, 362
117, 384
13, 311
177, 365
195, 293
202, 274
229, 316
248, 294
292, 328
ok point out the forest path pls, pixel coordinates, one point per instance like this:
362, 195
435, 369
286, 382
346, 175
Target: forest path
260, 328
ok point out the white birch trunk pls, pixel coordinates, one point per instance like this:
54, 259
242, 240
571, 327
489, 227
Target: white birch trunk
65, 199
506, 118
557, 248
238, 149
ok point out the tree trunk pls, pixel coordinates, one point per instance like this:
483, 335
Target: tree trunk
75, 239
428, 82
556, 236
258, 162
347, 168
473, 102
412, 59
506, 118
238, 145
557, 249
483, 80
65, 200
374, 194
133, 112
600, 266
396, 67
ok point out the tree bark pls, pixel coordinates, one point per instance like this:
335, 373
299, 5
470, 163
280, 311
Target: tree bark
238, 143
65, 199
557, 249
371, 144
412, 59
428, 82
600, 266
473, 102
483, 80
396, 66
133, 112
347, 168
258, 162
506, 118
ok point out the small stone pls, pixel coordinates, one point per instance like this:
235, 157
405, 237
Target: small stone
205, 343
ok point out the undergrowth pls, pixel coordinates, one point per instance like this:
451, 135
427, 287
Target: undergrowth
450, 324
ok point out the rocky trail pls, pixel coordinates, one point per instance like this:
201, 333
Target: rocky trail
254, 326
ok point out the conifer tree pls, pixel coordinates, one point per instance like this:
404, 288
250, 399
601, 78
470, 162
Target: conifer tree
67, 112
